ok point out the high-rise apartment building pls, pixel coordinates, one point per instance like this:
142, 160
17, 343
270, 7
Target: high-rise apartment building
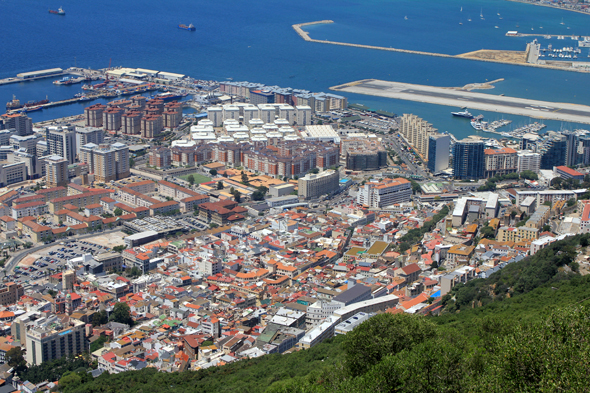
19, 121
528, 161
61, 141
438, 152
107, 162
56, 168
314, 185
468, 159
86, 135
554, 152
417, 131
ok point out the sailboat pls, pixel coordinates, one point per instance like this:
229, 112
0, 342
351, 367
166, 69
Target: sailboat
406, 17
562, 22
481, 14
469, 20
461, 9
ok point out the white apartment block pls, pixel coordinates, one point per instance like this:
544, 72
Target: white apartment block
529, 161
385, 193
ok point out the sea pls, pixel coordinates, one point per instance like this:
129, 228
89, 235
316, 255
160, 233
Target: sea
254, 41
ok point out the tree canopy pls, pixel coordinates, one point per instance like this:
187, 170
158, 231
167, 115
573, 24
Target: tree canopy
122, 314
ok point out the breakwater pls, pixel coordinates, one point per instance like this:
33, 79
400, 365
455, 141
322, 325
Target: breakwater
305, 35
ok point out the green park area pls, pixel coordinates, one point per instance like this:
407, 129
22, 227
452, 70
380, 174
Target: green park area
198, 178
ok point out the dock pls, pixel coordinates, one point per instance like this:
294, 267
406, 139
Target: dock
486, 102
492, 56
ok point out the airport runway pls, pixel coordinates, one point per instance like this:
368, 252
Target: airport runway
486, 102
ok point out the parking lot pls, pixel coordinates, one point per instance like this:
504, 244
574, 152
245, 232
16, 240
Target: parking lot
192, 223
52, 260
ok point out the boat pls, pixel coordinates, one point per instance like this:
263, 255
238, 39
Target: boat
496, 27
84, 97
562, 22
476, 124
190, 27
406, 17
66, 80
469, 20
168, 96
60, 11
36, 103
465, 113
481, 14
32, 108
461, 9
14, 104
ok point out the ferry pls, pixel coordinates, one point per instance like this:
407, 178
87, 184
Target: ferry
60, 11
168, 96
190, 27
66, 80
465, 113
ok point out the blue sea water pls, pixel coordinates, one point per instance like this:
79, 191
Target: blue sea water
254, 41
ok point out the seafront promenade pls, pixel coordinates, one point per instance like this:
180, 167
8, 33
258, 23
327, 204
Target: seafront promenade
486, 102
493, 56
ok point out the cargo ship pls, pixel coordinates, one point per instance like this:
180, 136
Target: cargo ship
190, 27
36, 103
60, 11
14, 104
168, 96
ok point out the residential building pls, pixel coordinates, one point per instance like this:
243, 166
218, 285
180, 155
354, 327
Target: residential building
10, 293
20, 122
517, 234
468, 159
56, 168
314, 185
86, 135
61, 141
500, 162
567, 173
528, 161
438, 152
417, 132
49, 339
12, 173
385, 193
107, 161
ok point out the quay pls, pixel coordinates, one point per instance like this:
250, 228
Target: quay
547, 36
492, 56
447, 96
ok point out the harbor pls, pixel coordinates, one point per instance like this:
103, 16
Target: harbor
446, 96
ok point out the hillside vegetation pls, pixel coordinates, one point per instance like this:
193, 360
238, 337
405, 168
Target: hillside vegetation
524, 329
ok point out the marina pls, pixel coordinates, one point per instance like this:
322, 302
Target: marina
445, 96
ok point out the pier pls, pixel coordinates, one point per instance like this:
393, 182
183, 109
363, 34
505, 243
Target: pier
486, 102
492, 56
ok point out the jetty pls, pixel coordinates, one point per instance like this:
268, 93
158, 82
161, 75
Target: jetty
486, 102
492, 56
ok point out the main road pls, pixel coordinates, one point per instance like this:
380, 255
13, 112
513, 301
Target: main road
574, 113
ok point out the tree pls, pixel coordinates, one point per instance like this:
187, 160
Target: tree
118, 212
381, 336
245, 178
314, 171
16, 360
529, 175
257, 196
122, 314
213, 172
571, 202
220, 185
119, 248
131, 162
487, 232
99, 318
191, 179
237, 196
98, 344
546, 228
